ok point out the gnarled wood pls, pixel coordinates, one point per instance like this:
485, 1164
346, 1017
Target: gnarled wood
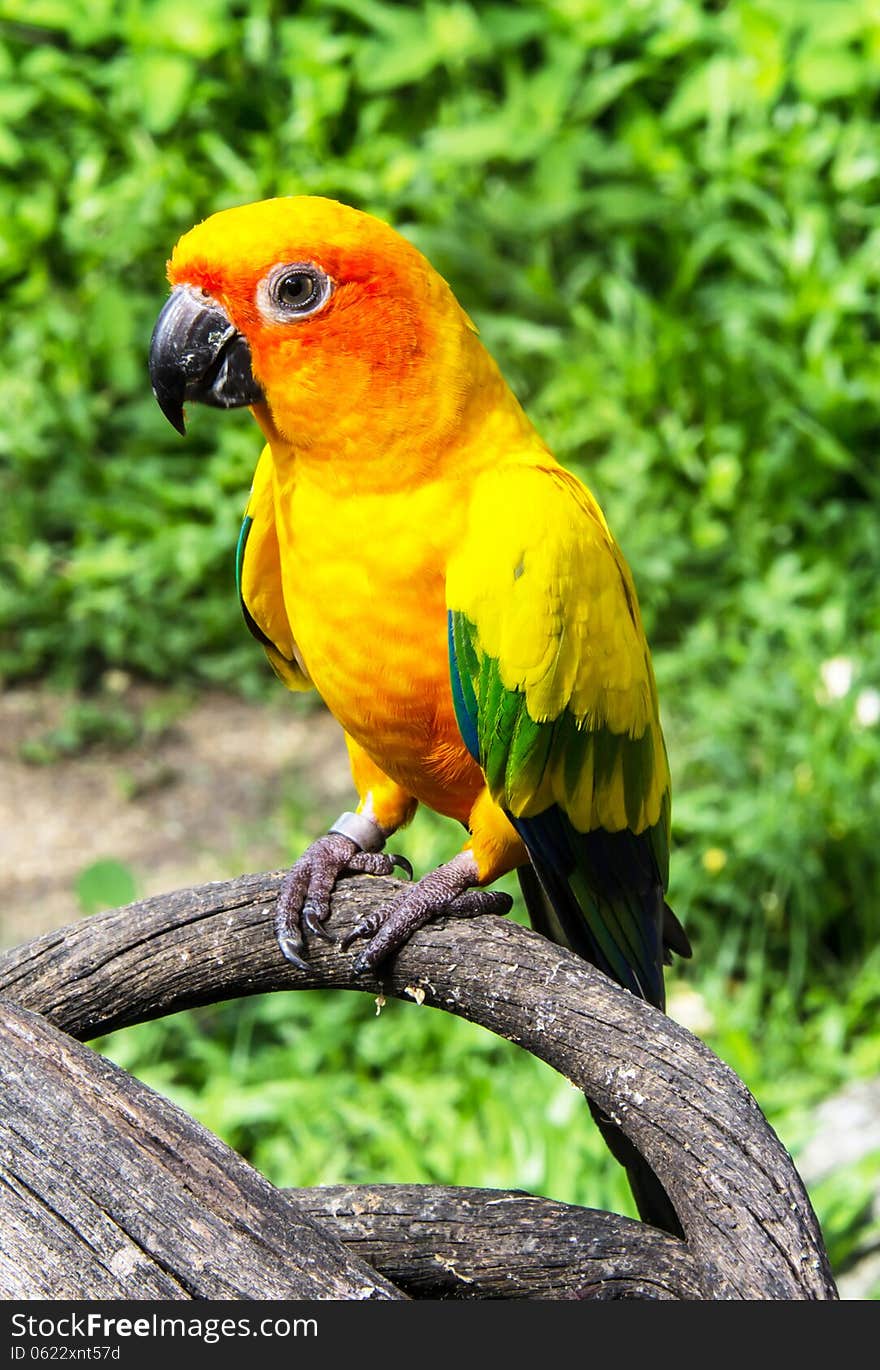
107, 1190
445, 1242
749, 1224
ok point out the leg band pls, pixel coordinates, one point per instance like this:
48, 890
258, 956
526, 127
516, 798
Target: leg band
362, 830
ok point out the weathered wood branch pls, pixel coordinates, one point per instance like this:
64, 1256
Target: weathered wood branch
107, 1190
750, 1228
441, 1242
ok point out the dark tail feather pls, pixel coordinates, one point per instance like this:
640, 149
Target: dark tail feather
652, 1201
674, 936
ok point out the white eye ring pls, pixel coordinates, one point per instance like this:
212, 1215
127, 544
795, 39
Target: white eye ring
293, 290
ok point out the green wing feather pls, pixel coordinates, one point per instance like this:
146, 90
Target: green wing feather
555, 698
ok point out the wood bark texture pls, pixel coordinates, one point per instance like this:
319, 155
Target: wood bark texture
107, 1190
750, 1229
442, 1242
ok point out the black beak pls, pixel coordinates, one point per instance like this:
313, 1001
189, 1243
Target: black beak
197, 354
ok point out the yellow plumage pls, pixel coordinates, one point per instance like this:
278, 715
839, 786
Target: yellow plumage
414, 551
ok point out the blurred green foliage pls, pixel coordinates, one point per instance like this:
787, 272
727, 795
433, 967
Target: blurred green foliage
105, 885
106, 720
662, 214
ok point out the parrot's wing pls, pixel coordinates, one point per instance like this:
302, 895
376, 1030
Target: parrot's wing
555, 698
258, 577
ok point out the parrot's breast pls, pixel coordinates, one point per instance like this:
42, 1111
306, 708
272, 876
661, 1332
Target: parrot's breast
363, 582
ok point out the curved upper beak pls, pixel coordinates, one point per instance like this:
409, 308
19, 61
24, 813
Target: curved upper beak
197, 354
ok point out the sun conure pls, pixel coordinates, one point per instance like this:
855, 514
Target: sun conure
413, 551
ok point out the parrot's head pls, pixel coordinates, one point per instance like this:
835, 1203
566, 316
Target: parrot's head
320, 317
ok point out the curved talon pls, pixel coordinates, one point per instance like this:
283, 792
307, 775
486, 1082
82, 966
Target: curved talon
401, 861
292, 950
314, 923
364, 927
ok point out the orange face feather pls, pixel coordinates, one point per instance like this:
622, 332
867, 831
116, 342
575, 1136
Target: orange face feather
391, 327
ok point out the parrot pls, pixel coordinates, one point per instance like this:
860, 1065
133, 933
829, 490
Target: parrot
412, 550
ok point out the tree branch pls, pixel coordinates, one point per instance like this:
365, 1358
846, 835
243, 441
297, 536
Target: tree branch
441, 1242
107, 1190
749, 1224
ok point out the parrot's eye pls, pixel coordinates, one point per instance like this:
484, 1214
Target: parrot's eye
293, 291
299, 290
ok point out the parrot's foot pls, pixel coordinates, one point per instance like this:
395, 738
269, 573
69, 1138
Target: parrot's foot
443, 892
304, 898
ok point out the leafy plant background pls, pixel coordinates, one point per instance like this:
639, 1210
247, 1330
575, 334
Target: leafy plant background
662, 214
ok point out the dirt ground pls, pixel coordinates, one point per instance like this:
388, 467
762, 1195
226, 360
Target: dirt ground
202, 801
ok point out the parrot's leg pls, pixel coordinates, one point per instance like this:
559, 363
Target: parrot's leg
352, 845
443, 892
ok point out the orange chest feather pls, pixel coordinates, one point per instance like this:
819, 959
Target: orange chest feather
364, 584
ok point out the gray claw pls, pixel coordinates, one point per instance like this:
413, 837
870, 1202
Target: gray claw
365, 927
313, 922
291, 949
401, 861
362, 963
